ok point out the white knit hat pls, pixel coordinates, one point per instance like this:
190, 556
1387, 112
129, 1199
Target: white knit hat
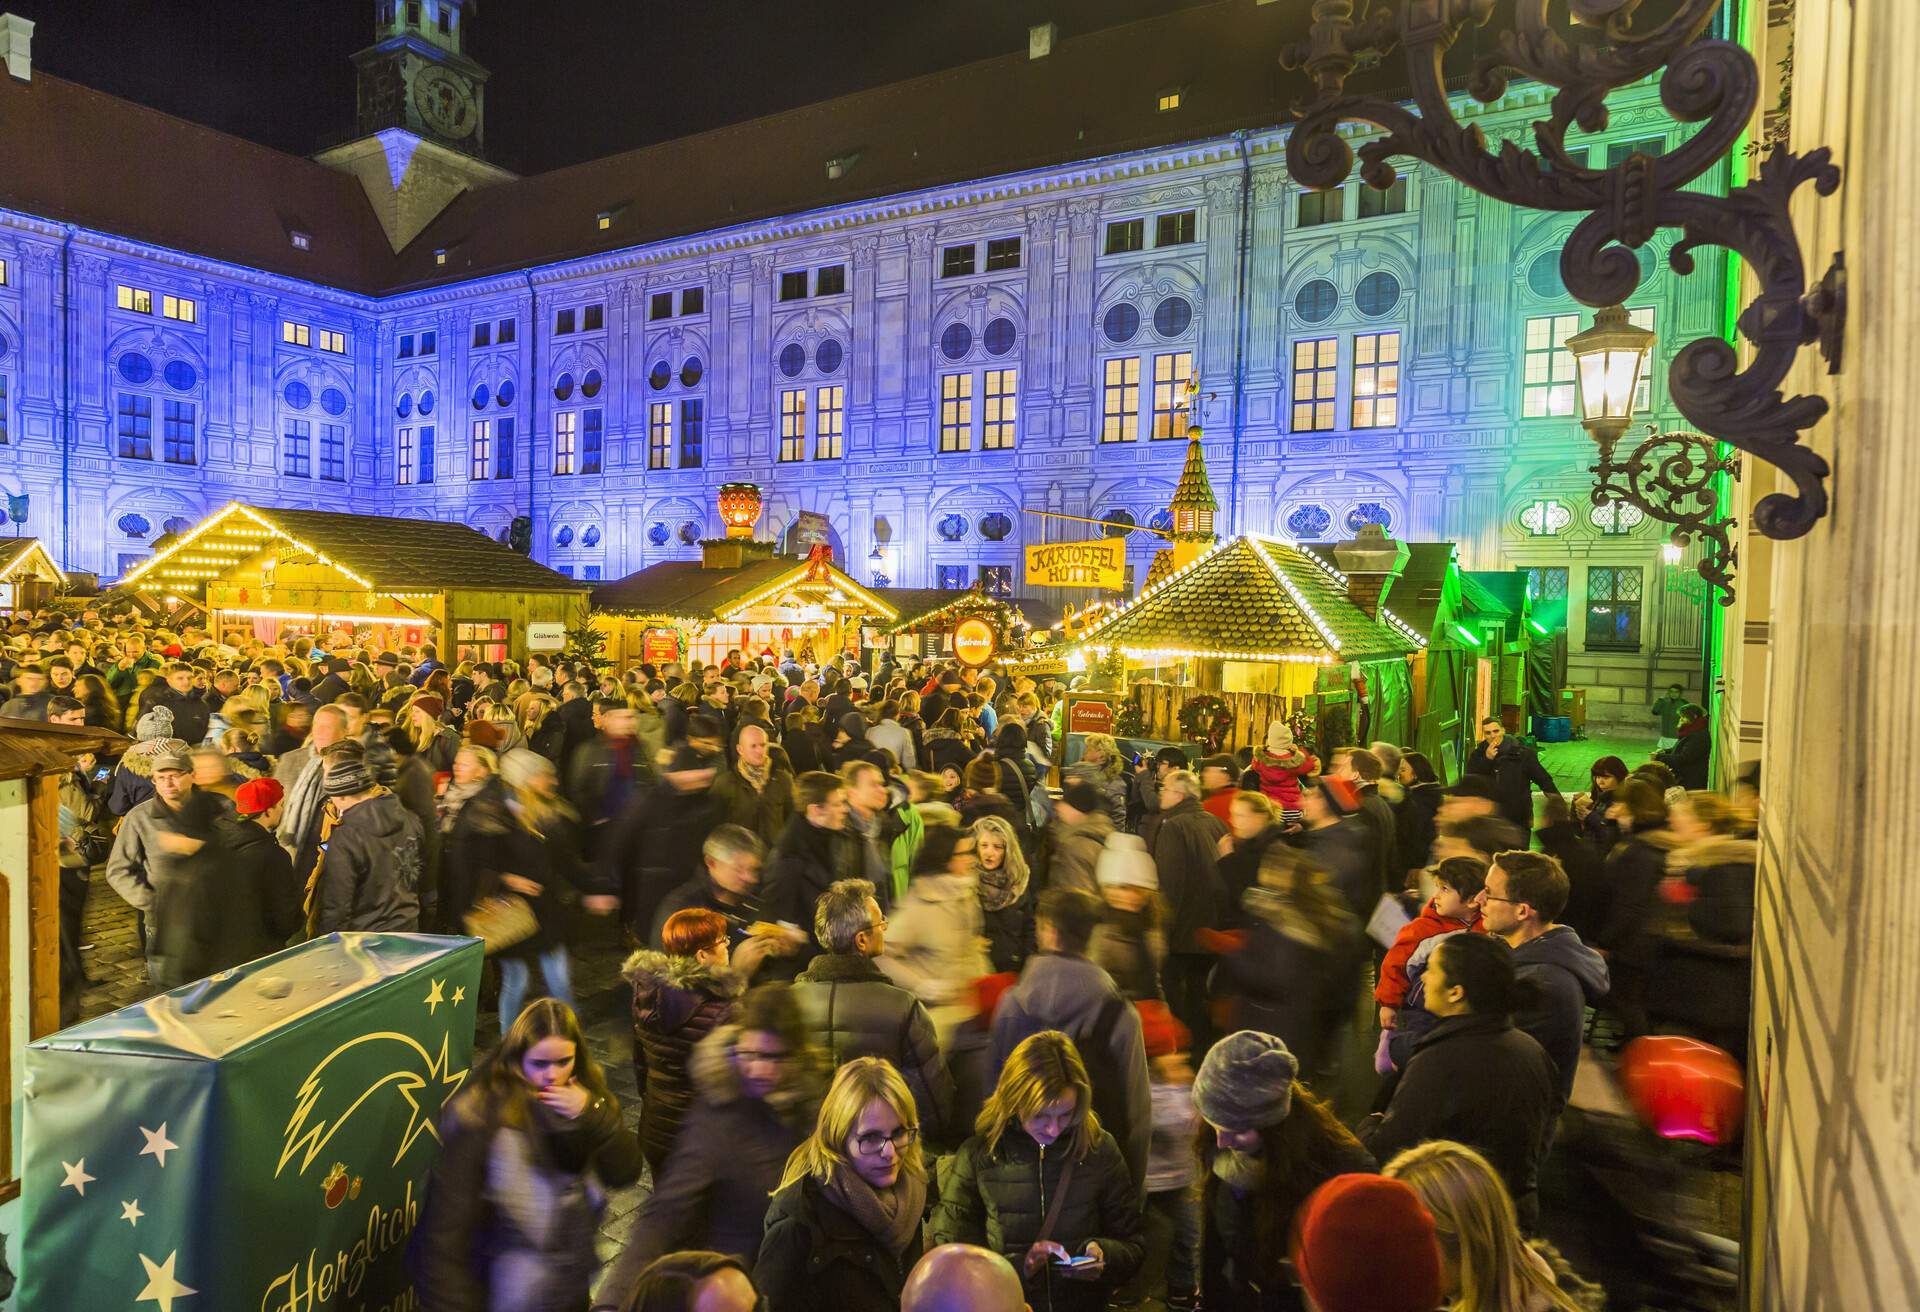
1279, 738
1125, 863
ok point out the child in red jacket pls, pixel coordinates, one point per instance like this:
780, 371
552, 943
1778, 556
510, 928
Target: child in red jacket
1460, 879
1280, 766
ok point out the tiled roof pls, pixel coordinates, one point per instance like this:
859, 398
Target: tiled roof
424, 555
1255, 597
917, 605
687, 590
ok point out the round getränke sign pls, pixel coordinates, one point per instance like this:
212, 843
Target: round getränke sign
973, 641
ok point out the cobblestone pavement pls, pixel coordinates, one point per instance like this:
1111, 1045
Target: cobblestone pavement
1569, 763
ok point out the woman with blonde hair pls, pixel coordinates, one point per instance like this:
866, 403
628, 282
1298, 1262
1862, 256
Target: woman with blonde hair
1488, 1265
1005, 891
1042, 1183
843, 1229
1102, 765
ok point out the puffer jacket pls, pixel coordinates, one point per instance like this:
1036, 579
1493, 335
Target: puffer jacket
1113, 789
1280, 775
853, 1010
1075, 852
818, 1258
370, 879
997, 1197
1185, 852
933, 939
677, 1002
1721, 872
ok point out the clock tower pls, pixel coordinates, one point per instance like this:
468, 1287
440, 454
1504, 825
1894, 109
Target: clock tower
419, 116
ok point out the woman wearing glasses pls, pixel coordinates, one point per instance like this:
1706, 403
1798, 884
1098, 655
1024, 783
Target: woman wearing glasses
1043, 1184
843, 1229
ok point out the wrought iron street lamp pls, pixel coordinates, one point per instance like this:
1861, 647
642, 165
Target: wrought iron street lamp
1609, 361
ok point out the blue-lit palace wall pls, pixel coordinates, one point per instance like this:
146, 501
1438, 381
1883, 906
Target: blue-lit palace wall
859, 363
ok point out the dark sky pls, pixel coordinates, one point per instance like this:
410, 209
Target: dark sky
572, 79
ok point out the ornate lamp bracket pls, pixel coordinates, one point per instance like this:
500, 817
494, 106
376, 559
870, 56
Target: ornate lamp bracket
1670, 477
1712, 83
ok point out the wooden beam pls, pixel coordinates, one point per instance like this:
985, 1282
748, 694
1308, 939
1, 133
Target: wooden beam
43, 905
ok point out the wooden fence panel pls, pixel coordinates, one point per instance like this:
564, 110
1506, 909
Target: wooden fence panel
1160, 705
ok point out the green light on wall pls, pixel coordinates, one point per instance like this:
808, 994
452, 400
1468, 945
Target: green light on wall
1539, 628
1466, 635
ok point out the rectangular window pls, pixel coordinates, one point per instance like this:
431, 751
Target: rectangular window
480, 463
406, 345
566, 438
593, 318
1120, 400
1613, 607
591, 573
1547, 583
1315, 364
953, 578
135, 426
660, 435
485, 640
426, 453
830, 409
333, 341
563, 321
1003, 253
1317, 207
413, 13
1643, 393
660, 306
1174, 229
1376, 380
443, 17
1619, 151
1167, 101
483, 333
830, 281
178, 308
1375, 202
593, 439
403, 456
503, 449
333, 452
1126, 235
1170, 375
956, 261
295, 334
693, 423
956, 412
429, 343
793, 285
996, 580
3, 273
297, 457
1546, 377
1000, 424
136, 299
504, 334
693, 300
793, 424
1578, 156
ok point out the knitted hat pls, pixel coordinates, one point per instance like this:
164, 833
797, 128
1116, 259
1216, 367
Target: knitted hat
258, 796
987, 992
431, 704
1246, 1082
156, 723
346, 776
1279, 738
1084, 798
1342, 797
1125, 863
486, 733
1365, 1244
983, 773
520, 767
1162, 1033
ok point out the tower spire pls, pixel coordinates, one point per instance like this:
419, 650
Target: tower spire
1194, 504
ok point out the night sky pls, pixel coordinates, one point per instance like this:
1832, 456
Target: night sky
572, 79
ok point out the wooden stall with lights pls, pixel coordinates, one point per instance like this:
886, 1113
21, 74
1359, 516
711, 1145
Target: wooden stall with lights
28, 577
741, 594
365, 581
931, 621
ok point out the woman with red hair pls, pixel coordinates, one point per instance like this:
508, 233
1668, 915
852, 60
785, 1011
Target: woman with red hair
680, 995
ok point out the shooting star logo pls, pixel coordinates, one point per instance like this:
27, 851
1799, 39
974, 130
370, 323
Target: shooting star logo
307, 1133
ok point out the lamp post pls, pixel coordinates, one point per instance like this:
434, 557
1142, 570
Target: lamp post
1609, 361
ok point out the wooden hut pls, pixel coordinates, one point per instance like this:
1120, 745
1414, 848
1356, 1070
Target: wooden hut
28, 576
928, 617
385, 582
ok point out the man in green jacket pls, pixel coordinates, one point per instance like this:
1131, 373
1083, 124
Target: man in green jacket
123, 675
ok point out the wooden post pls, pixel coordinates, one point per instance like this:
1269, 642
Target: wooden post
43, 905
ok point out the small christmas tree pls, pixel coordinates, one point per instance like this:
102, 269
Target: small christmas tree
584, 645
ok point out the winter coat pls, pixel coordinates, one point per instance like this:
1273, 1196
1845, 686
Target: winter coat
1280, 775
1240, 871
654, 847
1600, 831
974, 806
763, 812
1475, 1080
1391, 990
1721, 871
805, 862
1414, 828
1131, 946
191, 714
724, 1165
221, 906
1588, 894
511, 1213
892, 736
852, 1010
132, 782
1243, 1266
1513, 769
701, 893
1634, 870
1691, 756
1299, 991
1376, 814
1342, 848
1074, 852
945, 748
1009, 933
933, 939
370, 876
1113, 789
998, 1198
1185, 848
136, 850
677, 1002
816, 1257
602, 781
1071, 994
1570, 977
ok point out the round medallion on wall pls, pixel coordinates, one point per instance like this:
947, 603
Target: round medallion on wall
658, 533
994, 527
952, 527
973, 641
1309, 522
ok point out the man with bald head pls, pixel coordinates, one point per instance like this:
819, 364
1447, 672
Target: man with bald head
963, 1278
756, 791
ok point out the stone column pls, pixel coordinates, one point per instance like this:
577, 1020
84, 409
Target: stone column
372, 385
1043, 222
266, 335
87, 325
721, 439
221, 301
760, 352
859, 436
1266, 275
1214, 360
40, 332
919, 319
1083, 221
1433, 284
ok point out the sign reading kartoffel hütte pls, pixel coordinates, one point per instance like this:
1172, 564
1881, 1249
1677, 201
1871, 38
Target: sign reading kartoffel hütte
258, 1140
1095, 563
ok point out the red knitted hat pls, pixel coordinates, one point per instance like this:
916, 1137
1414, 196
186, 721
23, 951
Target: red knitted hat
1162, 1033
1365, 1244
1341, 794
987, 991
257, 796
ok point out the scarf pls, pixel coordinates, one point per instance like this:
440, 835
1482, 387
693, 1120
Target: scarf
892, 1217
1000, 889
756, 775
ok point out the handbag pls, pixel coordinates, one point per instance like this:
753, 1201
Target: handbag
500, 922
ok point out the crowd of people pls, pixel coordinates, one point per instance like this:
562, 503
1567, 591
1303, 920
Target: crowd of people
924, 1014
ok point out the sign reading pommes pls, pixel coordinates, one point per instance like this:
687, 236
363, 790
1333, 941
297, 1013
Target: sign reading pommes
1097, 563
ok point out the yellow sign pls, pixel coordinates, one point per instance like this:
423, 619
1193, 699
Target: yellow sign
1095, 563
973, 641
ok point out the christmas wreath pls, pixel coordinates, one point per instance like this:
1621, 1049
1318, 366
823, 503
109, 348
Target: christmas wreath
1206, 719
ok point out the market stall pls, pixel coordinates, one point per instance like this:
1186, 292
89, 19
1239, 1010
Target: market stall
366, 581
28, 576
930, 617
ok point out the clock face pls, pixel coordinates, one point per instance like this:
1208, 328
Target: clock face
445, 103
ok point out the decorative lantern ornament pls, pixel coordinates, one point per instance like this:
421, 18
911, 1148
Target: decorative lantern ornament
739, 508
1609, 359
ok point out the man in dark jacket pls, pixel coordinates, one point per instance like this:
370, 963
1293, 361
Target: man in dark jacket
1523, 894
604, 774
1339, 842
1060, 989
756, 792
1691, 755
371, 856
812, 854
853, 1010
655, 846
190, 713
1514, 768
1362, 769
575, 717
335, 682
1186, 846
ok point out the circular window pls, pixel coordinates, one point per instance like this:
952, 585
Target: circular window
481, 395
1173, 316
1543, 276
176, 525
426, 402
995, 527
1122, 321
1368, 512
956, 341
952, 527
590, 385
1545, 518
564, 538
136, 368
1119, 523
297, 396
180, 376
1309, 522
591, 538
1000, 336
1377, 294
1316, 302
503, 395
692, 372
333, 401
563, 387
660, 375
658, 533
828, 355
793, 358
689, 532
404, 406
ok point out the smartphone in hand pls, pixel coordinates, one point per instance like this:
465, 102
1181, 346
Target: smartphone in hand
1075, 1262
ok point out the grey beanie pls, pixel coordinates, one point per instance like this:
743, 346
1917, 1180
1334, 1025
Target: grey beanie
156, 723
1246, 1082
346, 775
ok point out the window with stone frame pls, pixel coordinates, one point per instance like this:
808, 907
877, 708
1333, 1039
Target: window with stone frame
829, 419
1120, 399
1171, 372
793, 424
480, 453
566, 441
1376, 380
1316, 384
1000, 420
296, 449
333, 453
1613, 607
660, 435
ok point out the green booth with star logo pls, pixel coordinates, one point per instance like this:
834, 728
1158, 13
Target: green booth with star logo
260, 1139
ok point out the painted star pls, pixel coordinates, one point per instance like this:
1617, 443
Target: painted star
77, 1177
434, 997
161, 1288
459, 995
130, 1211
157, 1143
